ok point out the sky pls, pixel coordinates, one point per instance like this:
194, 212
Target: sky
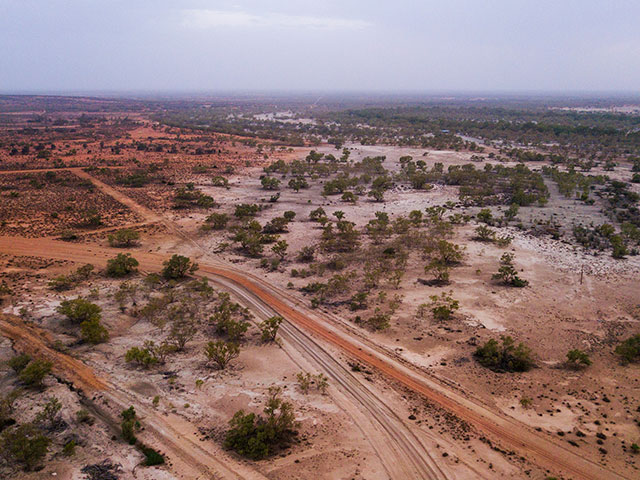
57, 46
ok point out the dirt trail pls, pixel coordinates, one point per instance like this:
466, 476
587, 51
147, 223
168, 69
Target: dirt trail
35, 341
174, 436
144, 212
540, 449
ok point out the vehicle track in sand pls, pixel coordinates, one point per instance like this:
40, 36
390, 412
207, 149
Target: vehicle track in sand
171, 434
537, 447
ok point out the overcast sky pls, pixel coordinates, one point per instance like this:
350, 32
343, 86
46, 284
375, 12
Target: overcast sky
328, 45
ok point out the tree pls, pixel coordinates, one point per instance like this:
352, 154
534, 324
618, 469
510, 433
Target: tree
220, 181
177, 267
218, 220
298, 183
443, 306
619, 248
269, 328
349, 197
142, 356
485, 234
35, 372
577, 359
25, 445
485, 216
277, 225
507, 272
130, 424
306, 254
244, 210
6, 407
511, 212
221, 353
317, 214
280, 248
506, 357
121, 266
79, 310
257, 437
19, 362
440, 271
48, 417
183, 330
270, 183
629, 350
93, 332
124, 238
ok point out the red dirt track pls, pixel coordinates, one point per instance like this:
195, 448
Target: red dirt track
538, 448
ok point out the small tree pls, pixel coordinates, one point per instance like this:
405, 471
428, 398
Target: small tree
485, 234
443, 306
270, 183
48, 417
629, 350
79, 310
506, 357
221, 353
124, 238
306, 254
183, 330
130, 424
19, 362
439, 270
35, 372
507, 272
298, 183
280, 248
121, 266
269, 328
25, 445
577, 359
93, 332
178, 266
142, 356
257, 437
218, 220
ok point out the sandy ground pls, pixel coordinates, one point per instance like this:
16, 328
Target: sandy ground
575, 300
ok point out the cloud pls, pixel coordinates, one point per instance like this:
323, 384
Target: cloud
204, 19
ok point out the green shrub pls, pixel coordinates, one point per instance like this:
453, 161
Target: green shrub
25, 445
124, 238
152, 457
129, 425
629, 350
269, 328
507, 273
506, 357
443, 306
19, 362
35, 372
577, 359
79, 310
257, 437
93, 332
177, 267
121, 266
221, 353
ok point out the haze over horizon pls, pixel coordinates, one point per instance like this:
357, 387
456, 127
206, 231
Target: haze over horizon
353, 45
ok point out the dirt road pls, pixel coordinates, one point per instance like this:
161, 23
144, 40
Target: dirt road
174, 436
538, 448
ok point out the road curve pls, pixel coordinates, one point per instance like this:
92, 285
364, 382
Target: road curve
537, 447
